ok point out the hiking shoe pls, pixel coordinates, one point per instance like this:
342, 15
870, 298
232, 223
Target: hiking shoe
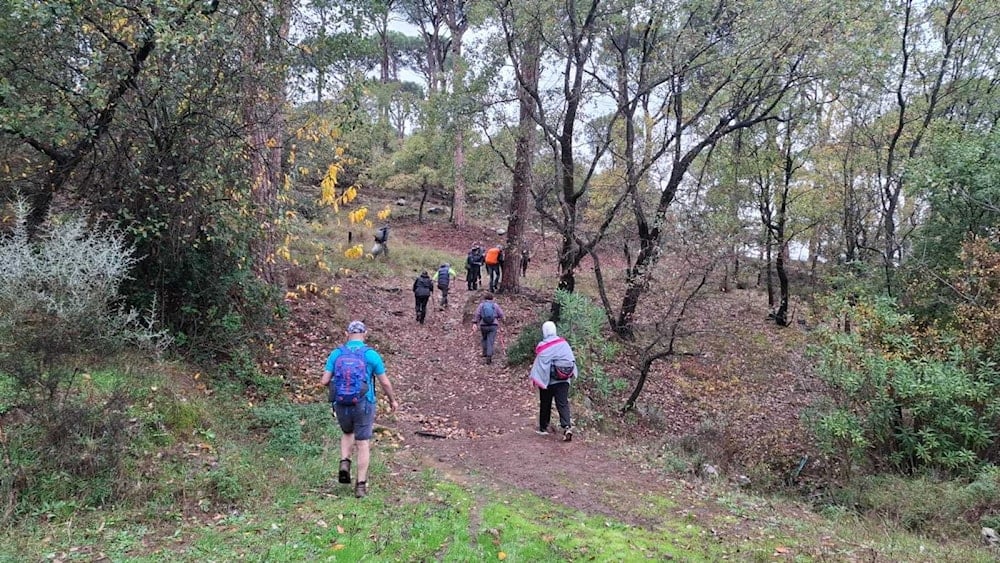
489, 359
542, 432
344, 475
361, 489
568, 435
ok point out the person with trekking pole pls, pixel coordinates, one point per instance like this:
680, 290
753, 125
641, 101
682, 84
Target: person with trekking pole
554, 367
487, 320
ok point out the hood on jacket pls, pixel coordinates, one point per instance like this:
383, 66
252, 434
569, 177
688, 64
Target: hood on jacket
549, 329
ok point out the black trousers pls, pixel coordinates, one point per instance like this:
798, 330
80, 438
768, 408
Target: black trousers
559, 392
422, 308
473, 277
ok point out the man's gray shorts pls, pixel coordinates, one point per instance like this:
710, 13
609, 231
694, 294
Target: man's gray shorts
356, 419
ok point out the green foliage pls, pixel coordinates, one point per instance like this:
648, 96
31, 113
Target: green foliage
905, 399
522, 349
959, 178
70, 452
142, 113
242, 370
582, 324
925, 504
59, 300
294, 429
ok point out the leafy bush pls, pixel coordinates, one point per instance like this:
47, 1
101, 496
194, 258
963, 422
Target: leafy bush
905, 399
59, 298
242, 369
581, 323
59, 304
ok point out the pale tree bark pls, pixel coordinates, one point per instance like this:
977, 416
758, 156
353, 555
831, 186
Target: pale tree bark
263, 115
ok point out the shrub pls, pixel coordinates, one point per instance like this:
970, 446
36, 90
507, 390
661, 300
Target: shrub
59, 300
582, 323
905, 399
242, 370
59, 305
926, 503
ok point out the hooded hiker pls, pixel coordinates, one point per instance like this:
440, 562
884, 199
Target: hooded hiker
554, 367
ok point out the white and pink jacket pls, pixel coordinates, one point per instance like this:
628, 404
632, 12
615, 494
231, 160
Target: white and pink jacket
552, 350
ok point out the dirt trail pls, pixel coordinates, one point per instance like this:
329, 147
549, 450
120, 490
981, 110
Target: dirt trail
487, 413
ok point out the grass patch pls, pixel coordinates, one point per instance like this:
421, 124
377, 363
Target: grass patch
258, 483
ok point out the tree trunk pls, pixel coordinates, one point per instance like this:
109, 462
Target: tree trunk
458, 202
781, 316
769, 270
523, 160
263, 115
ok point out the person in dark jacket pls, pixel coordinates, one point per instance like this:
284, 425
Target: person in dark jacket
423, 287
442, 277
487, 319
473, 267
381, 242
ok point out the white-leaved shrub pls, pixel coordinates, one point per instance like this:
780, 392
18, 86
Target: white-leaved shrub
59, 296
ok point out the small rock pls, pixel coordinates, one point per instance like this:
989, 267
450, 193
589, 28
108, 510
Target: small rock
401, 201
436, 211
990, 537
710, 470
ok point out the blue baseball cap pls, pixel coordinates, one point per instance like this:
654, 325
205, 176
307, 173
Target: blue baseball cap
356, 327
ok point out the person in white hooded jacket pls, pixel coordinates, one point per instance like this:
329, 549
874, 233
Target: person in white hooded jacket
554, 367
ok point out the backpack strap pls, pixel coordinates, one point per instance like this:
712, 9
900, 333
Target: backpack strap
542, 347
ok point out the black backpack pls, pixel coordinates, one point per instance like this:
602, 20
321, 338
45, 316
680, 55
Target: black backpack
424, 287
443, 277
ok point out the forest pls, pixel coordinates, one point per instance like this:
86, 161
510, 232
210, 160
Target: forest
770, 230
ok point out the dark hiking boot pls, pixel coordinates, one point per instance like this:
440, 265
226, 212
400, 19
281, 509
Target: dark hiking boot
344, 475
361, 489
568, 435
489, 359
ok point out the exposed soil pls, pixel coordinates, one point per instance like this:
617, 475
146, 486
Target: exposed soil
476, 422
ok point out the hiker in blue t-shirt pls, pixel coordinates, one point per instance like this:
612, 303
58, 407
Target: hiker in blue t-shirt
357, 420
487, 319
